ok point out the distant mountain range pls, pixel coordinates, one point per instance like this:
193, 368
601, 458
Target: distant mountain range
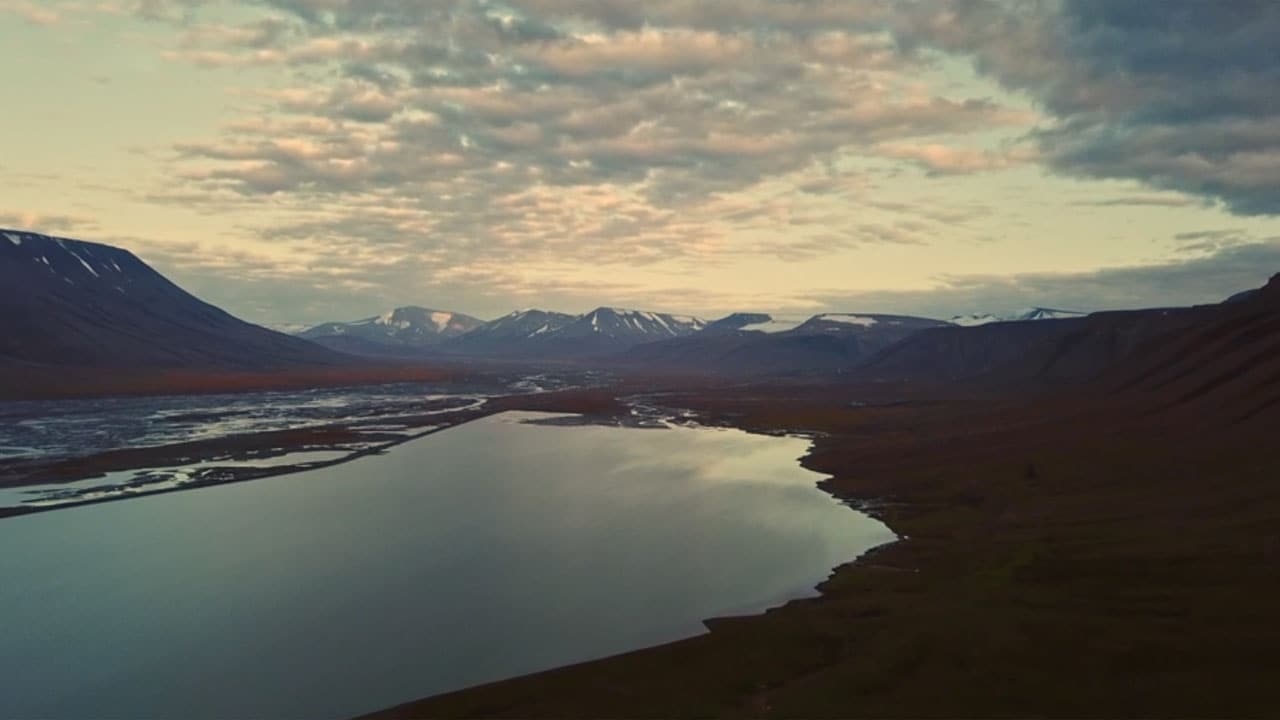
72, 304
67, 303
756, 343
521, 334
739, 343
414, 331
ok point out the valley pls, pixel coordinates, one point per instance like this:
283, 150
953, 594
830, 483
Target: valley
1027, 498
403, 359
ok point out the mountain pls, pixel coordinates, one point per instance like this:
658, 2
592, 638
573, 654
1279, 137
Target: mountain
402, 331
537, 334
1244, 295
1023, 316
734, 323
510, 334
757, 344
864, 324
1070, 349
1045, 314
1225, 362
628, 327
68, 303
754, 322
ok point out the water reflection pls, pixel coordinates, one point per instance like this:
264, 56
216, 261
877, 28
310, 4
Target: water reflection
488, 550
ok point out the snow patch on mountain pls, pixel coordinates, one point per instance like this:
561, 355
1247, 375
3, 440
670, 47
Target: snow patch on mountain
776, 324
974, 319
288, 328
86, 265
442, 320
622, 323
1027, 315
408, 325
860, 320
62, 257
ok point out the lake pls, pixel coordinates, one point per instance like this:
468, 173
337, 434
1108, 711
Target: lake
491, 549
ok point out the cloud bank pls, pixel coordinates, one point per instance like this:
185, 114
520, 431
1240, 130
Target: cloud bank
481, 154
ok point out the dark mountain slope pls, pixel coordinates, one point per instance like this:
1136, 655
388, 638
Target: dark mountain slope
1072, 349
67, 303
1228, 361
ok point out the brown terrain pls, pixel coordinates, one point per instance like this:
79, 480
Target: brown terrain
1107, 549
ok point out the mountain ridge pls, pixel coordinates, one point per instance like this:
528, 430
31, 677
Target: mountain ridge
73, 303
1026, 315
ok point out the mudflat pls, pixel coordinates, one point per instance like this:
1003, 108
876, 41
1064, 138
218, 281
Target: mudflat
1064, 553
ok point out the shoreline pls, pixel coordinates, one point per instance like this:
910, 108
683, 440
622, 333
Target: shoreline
250, 475
1020, 522
1034, 542
241, 447
268, 444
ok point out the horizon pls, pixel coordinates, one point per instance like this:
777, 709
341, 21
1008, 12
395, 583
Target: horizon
295, 327
320, 161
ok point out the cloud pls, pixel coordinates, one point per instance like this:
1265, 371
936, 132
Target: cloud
393, 151
938, 159
1202, 278
1146, 200
1179, 94
539, 133
37, 222
31, 12
1211, 241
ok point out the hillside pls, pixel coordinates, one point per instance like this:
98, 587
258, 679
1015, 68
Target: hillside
68, 303
1055, 350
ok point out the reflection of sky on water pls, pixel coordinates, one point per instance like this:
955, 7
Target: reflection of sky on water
490, 549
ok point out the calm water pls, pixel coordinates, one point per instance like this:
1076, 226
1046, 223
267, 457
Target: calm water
493, 549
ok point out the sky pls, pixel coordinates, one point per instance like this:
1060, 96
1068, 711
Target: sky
312, 160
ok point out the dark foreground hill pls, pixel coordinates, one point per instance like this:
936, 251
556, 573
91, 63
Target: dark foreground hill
1226, 362
1054, 350
1104, 549
72, 304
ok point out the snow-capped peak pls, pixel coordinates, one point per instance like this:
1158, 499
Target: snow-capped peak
72, 261
1026, 315
860, 320
1040, 313
404, 325
775, 324
634, 325
974, 319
